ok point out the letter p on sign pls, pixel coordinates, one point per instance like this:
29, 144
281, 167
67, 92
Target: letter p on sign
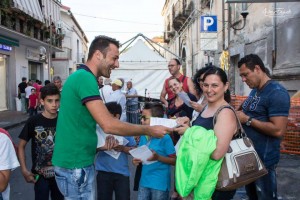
209, 24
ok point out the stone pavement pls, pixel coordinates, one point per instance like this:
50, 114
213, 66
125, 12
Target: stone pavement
10, 119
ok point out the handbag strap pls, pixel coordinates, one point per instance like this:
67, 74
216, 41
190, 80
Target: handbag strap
240, 133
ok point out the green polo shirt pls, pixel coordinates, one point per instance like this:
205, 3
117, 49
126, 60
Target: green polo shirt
76, 139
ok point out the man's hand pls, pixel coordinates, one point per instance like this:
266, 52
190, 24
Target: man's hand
154, 156
136, 161
158, 131
242, 116
29, 177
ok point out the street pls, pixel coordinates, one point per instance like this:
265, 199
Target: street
288, 177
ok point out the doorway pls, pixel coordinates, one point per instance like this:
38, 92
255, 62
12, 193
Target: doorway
35, 71
3, 82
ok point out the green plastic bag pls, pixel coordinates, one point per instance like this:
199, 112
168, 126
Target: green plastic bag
195, 171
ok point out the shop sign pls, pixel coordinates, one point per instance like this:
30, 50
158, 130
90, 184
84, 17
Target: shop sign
32, 54
5, 47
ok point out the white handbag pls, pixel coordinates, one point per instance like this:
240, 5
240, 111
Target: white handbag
241, 164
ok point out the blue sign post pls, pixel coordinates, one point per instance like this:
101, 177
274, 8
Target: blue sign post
209, 23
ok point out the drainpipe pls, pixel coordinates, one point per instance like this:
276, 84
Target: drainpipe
223, 25
274, 50
229, 25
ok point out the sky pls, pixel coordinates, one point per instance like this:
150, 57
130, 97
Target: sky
120, 19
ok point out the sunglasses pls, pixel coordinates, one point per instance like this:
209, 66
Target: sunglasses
144, 117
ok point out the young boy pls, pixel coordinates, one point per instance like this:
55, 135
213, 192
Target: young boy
33, 103
41, 129
113, 174
156, 177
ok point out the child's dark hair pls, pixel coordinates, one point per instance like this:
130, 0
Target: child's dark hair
33, 89
114, 108
157, 109
49, 90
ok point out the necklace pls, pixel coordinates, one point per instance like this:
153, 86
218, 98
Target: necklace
258, 91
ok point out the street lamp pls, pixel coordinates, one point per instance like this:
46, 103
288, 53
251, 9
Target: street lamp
244, 14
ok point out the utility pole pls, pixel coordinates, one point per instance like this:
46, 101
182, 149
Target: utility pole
50, 52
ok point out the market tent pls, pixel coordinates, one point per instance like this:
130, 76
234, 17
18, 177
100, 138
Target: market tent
144, 67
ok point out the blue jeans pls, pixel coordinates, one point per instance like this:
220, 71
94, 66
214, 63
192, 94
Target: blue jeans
23, 102
264, 188
32, 111
152, 194
43, 187
76, 184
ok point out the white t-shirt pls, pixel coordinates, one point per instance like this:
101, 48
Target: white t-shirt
28, 91
8, 159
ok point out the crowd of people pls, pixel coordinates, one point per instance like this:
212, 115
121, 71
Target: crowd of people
68, 164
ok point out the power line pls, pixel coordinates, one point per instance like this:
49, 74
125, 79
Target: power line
124, 21
126, 31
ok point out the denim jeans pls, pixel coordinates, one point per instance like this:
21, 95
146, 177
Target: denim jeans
152, 194
32, 111
23, 102
43, 187
76, 184
264, 188
109, 182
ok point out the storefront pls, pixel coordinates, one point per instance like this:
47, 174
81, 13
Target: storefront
3, 81
35, 66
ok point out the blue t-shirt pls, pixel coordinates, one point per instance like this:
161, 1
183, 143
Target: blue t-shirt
273, 100
157, 175
105, 162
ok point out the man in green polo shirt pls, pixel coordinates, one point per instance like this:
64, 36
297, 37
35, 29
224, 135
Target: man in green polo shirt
81, 108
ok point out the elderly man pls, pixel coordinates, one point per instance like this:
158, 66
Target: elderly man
132, 104
118, 97
57, 82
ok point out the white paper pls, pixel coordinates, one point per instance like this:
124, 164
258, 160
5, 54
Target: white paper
143, 153
185, 98
170, 123
116, 154
102, 138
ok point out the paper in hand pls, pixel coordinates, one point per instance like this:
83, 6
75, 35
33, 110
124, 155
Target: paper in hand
143, 153
185, 98
170, 123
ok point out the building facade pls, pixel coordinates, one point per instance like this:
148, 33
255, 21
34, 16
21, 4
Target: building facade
28, 38
74, 46
268, 29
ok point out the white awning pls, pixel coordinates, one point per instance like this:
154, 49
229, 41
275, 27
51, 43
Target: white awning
31, 8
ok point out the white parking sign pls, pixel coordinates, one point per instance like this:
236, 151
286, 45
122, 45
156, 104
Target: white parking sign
209, 23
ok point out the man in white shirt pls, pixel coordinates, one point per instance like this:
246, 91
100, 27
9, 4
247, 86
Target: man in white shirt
8, 162
118, 97
106, 90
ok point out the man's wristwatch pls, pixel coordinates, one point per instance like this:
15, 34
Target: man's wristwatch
248, 122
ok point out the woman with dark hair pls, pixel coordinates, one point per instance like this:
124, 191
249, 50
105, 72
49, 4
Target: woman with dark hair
177, 108
215, 89
198, 84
